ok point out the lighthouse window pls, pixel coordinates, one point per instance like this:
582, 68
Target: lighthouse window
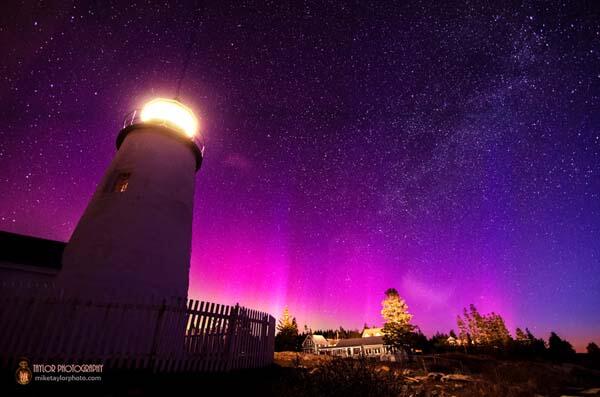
122, 182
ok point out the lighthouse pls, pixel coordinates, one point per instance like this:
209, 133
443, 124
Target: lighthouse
134, 237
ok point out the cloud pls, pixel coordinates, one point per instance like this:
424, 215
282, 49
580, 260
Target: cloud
427, 296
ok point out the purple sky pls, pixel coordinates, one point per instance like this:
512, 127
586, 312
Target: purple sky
452, 153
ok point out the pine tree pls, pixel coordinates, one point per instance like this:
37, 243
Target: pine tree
537, 347
593, 354
285, 322
475, 323
394, 309
463, 331
482, 330
439, 341
530, 336
496, 332
287, 335
593, 349
560, 349
521, 336
397, 329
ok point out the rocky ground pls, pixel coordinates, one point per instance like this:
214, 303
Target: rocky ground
448, 375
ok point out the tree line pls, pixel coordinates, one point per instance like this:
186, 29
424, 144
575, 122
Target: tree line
288, 337
477, 334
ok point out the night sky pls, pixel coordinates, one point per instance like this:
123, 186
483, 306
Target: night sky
452, 152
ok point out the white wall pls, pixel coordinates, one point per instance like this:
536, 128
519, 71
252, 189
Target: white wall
137, 242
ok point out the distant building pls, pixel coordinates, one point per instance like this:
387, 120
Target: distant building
313, 343
366, 346
368, 332
370, 346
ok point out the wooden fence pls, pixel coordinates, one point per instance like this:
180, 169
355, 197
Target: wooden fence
178, 335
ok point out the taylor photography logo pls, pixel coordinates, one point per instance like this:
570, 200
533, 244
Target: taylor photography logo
23, 374
26, 372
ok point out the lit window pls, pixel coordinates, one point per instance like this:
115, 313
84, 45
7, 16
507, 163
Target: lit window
122, 182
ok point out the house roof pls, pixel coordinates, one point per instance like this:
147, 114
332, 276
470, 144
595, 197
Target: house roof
370, 340
31, 251
319, 340
372, 332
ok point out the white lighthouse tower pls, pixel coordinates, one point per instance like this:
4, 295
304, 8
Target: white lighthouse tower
134, 238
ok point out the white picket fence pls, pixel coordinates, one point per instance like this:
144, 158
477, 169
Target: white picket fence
179, 335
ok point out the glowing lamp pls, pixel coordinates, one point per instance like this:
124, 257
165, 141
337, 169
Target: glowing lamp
171, 113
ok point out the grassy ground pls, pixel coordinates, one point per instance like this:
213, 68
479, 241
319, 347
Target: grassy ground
295, 375
447, 375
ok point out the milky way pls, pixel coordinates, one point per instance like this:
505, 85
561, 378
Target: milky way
452, 152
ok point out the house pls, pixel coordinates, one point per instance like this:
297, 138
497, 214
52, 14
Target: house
370, 346
313, 343
29, 260
367, 332
365, 346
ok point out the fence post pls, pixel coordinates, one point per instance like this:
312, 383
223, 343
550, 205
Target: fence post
218, 340
231, 336
156, 336
271, 338
264, 340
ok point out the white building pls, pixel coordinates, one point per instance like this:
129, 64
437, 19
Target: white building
134, 237
371, 346
313, 343
366, 346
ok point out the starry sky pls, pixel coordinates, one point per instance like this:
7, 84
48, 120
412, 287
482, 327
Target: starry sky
450, 150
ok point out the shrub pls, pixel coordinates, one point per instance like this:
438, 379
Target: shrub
343, 377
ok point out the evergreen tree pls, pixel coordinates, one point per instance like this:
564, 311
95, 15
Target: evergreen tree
593, 349
394, 309
439, 336
439, 341
418, 340
559, 349
474, 322
537, 347
463, 332
593, 352
397, 329
285, 321
521, 336
482, 330
287, 335
496, 331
